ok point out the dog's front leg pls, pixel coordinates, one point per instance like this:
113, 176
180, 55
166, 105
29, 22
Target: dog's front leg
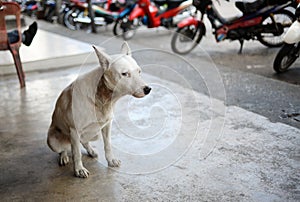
79, 170
106, 133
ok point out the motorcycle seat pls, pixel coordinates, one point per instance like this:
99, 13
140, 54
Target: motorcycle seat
170, 3
249, 7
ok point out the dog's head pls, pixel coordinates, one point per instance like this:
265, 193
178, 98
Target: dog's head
122, 74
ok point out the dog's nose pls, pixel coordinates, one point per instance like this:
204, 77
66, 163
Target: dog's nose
147, 90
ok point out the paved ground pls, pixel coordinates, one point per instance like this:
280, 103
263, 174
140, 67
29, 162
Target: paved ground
249, 79
209, 131
170, 143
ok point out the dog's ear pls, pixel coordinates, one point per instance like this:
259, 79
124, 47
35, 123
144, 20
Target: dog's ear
125, 49
103, 58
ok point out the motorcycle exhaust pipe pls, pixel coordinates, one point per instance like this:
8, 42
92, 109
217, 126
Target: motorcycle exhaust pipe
86, 20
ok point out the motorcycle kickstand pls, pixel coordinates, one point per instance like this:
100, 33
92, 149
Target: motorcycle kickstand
242, 44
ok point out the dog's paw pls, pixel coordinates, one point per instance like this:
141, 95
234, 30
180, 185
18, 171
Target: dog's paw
63, 159
114, 163
82, 172
92, 153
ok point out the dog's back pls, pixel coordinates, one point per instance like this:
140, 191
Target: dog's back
70, 106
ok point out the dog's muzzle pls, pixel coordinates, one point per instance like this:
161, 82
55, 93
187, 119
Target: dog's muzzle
147, 90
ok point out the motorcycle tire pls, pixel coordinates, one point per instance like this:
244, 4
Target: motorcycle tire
69, 19
61, 16
130, 28
117, 30
273, 40
187, 34
286, 56
128, 34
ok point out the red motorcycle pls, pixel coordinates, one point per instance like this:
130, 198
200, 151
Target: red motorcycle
165, 13
263, 20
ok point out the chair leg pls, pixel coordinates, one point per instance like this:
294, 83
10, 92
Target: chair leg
19, 68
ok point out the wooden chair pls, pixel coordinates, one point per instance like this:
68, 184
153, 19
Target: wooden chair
12, 9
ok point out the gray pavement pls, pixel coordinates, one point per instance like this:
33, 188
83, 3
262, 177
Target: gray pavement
209, 130
169, 144
249, 79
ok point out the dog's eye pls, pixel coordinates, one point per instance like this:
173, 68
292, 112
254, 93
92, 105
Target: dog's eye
125, 74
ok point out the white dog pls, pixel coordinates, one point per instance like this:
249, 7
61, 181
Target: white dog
84, 109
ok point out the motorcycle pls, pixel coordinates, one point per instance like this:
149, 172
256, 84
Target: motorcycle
49, 10
30, 7
264, 21
130, 5
164, 13
78, 16
66, 6
290, 51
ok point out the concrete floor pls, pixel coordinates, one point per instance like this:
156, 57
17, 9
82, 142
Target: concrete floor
175, 145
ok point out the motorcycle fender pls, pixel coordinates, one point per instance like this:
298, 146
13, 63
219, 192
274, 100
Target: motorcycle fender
187, 22
293, 33
136, 13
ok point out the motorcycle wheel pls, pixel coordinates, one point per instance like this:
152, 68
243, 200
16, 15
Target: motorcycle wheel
61, 17
285, 19
117, 30
185, 39
130, 29
286, 56
62, 12
69, 19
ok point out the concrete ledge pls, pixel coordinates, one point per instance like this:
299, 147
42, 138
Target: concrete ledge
11, 22
48, 51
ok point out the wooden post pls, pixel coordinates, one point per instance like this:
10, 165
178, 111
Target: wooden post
57, 9
91, 14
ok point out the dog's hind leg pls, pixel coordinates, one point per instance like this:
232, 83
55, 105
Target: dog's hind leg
90, 150
63, 158
59, 143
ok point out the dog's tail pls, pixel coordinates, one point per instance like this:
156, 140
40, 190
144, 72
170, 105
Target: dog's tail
57, 141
